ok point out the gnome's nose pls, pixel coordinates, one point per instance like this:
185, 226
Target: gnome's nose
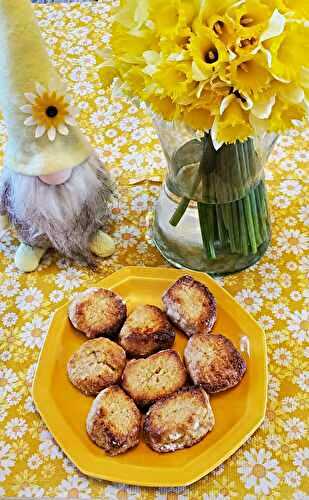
56, 178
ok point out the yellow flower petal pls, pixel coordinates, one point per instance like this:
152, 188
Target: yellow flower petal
164, 106
199, 119
297, 9
129, 48
275, 26
284, 114
107, 75
263, 106
172, 18
290, 93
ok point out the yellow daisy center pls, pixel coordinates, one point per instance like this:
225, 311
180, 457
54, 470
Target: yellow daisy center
248, 300
50, 110
73, 492
259, 471
36, 332
122, 495
29, 299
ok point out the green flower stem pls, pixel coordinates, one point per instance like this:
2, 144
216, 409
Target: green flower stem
179, 212
249, 221
220, 225
236, 225
204, 225
255, 217
243, 229
233, 213
228, 221
206, 215
184, 203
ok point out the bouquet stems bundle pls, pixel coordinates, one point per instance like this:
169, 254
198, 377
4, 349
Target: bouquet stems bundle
232, 203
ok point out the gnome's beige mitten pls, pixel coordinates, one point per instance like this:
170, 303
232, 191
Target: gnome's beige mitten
102, 245
27, 259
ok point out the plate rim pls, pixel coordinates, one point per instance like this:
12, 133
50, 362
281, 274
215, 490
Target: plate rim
193, 470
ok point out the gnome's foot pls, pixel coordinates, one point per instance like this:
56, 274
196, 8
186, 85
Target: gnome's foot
102, 245
27, 258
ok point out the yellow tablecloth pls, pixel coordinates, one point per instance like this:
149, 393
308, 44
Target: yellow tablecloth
275, 461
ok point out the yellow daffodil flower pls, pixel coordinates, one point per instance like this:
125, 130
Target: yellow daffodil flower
232, 125
171, 19
223, 27
237, 67
208, 53
250, 16
289, 52
130, 48
250, 75
297, 9
175, 79
198, 118
283, 115
133, 14
164, 106
209, 8
136, 79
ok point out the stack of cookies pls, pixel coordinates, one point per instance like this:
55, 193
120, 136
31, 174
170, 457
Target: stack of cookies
139, 380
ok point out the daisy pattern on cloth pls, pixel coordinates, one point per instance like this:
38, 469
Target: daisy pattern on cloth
259, 470
47, 469
50, 112
7, 459
74, 487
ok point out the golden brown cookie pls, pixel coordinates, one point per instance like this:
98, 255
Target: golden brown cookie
98, 312
114, 421
178, 421
152, 378
146, 330
190, 306
97, 364
213, 362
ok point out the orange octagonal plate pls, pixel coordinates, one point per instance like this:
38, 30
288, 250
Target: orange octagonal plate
238, 412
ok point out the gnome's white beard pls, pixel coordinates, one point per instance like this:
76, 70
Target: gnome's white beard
64, 216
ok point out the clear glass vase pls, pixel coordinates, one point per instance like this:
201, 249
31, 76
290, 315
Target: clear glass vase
212, 214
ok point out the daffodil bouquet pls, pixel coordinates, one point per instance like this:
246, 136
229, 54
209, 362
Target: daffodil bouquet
233, 70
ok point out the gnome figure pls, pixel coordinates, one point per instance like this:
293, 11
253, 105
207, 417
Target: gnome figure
53, 188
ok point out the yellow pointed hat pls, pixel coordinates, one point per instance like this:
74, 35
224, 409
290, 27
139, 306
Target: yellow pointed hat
43, 138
